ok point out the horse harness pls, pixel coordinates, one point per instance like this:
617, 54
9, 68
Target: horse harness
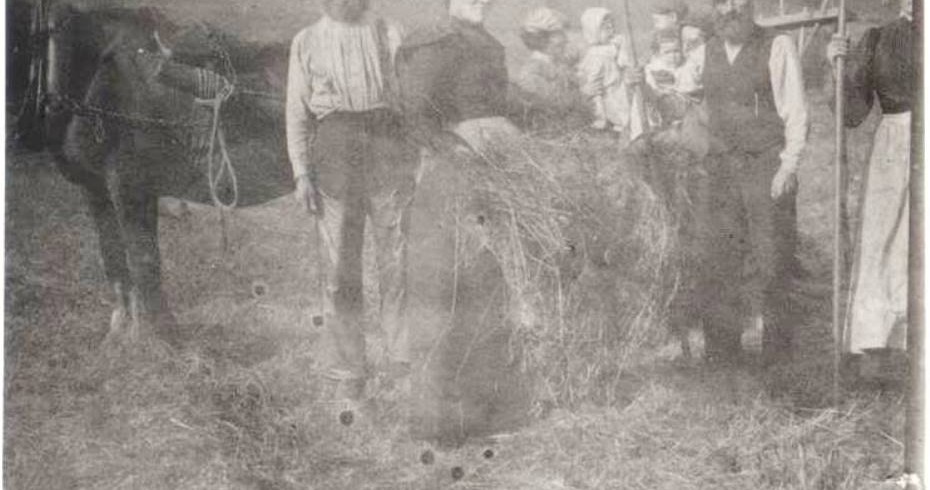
212, 91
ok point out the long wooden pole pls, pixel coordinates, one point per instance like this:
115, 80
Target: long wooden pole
914, 413
638, 99
839, 208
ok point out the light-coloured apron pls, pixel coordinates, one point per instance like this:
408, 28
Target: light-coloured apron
878, 297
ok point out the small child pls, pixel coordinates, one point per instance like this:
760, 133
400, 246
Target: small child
694, 32
662, 76
601, 70
662, 69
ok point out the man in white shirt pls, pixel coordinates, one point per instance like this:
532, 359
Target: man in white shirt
352, 164
758, 121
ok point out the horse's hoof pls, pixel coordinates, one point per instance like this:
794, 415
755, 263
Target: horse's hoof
119, 320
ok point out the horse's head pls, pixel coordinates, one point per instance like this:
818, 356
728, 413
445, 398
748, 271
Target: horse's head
136, 64
77, 43
159, 32
81, 42
196, 44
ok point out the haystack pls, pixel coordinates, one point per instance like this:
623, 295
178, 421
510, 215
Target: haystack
538, 270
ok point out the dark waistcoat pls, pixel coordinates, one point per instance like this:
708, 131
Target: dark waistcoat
739, 96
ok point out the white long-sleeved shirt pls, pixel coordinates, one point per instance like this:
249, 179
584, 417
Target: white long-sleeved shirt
788, 92
336, 66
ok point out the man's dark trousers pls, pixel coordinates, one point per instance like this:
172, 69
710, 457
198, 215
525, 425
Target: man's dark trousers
750, 243
366, 171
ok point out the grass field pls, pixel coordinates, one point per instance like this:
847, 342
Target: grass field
240, 406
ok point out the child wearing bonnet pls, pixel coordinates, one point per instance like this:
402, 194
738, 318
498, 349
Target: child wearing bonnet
602, 70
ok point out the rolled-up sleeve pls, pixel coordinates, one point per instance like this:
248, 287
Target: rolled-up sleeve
790, 102
299, 118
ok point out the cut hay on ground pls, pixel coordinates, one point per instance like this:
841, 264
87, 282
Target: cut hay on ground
712, 430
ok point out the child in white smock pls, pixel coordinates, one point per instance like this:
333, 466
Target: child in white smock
601, 70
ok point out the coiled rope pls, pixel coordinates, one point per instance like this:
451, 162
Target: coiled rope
219, 167
213, 90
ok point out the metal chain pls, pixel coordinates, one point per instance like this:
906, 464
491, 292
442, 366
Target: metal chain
259, 93
86, 110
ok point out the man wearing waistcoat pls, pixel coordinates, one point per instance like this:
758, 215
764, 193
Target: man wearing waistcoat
758, 121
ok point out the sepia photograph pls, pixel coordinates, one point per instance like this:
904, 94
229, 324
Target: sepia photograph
464, 244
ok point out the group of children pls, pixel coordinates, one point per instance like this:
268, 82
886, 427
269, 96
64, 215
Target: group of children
673, 73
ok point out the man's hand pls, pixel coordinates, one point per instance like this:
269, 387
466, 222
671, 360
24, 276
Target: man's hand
785, 181
307, 196
838, 46
634, 76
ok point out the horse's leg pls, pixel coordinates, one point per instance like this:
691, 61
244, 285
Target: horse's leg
685, 342
112, 250
136, 206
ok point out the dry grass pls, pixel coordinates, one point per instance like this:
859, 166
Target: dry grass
706, 430
241, 406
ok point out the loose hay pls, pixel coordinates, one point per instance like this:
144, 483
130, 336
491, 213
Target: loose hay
688, 436
587, 249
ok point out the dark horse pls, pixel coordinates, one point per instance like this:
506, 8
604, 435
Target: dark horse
125, 119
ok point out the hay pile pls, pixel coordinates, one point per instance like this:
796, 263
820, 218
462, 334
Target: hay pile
588, 250
682, 431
